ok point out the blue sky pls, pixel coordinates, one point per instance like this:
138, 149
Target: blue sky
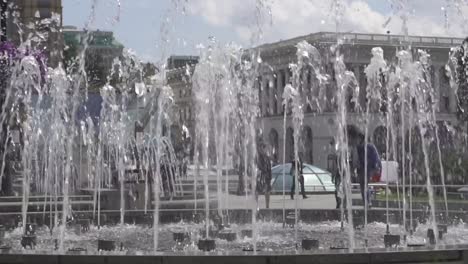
187, 23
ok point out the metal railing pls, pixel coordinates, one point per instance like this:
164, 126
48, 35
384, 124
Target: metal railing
362, 37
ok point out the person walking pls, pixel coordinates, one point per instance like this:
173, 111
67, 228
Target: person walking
300, 166
374, 165
264, 169
334, 169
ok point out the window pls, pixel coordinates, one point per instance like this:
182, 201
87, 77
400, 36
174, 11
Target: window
275, 94
45, 12
283, 79
446, 104
44, 3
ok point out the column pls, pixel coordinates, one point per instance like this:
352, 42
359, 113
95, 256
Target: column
287, 76
452, 96
436, 87
305, 88
279, 89
273, 91
362, 89
452, 100
288, 81
263, 98
258, 88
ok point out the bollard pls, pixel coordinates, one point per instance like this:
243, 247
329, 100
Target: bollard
391, 240
290, 219
28, 241
411, 225
2, 233
431, 236
248, 248
358, 222
106, 245
442, 228
206, 245
180, 236
30, 229
309, 244
246, 233
441, 234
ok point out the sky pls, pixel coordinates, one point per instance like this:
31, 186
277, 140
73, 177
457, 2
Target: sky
155, 29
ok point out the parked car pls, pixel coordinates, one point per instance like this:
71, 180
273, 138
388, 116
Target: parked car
315, 179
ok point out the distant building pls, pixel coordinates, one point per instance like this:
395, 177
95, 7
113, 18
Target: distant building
318, 126
101, 50
179, 73
37, 21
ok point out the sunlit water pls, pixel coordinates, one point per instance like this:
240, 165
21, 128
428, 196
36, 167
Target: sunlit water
272, 237
226, 93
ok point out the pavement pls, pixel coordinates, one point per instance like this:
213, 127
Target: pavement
313, 201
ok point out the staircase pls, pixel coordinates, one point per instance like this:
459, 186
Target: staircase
188, 183
36, 202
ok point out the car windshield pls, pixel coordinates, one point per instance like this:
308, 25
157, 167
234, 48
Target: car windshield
315, 179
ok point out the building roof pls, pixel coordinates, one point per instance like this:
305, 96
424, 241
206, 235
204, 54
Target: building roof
98, 38
367, 39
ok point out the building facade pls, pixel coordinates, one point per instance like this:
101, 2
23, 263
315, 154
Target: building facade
179, 73
38, 22
319, 127
101, 50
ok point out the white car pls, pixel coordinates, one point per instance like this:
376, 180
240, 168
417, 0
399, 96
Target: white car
315, 179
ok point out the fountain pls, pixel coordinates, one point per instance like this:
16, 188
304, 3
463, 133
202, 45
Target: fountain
106, 184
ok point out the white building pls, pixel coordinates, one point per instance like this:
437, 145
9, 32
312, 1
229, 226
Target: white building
319, 127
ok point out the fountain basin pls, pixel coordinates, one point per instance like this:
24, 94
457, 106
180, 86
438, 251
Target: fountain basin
398, 256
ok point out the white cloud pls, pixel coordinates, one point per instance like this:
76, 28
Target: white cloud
300, 17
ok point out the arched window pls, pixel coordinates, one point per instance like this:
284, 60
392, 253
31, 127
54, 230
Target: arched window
274, 145
308, 150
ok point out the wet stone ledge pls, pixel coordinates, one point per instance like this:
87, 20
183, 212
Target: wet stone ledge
425, 255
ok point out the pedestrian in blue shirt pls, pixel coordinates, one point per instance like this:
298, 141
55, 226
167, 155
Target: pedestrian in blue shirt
374, 166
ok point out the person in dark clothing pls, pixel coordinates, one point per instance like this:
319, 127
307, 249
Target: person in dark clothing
334, 169
374, 165
300, 166
264, 176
